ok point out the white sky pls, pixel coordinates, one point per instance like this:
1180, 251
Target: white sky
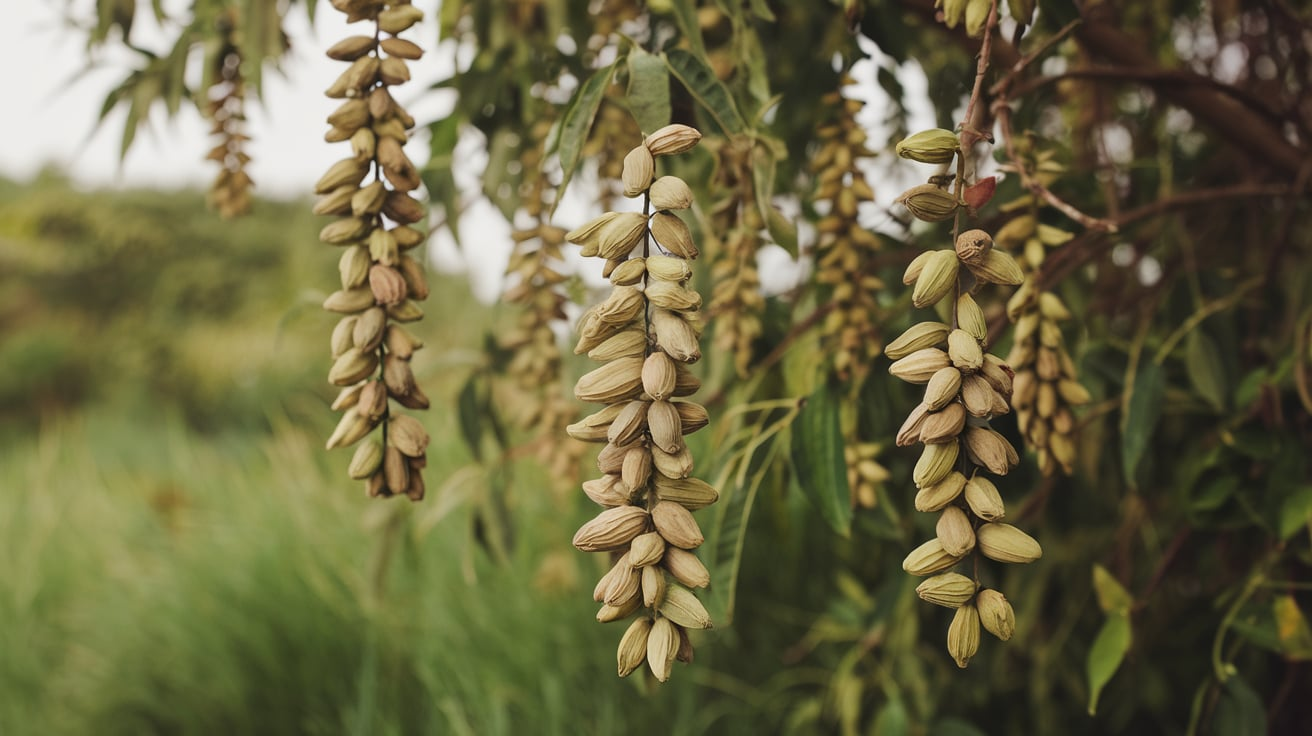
56, 99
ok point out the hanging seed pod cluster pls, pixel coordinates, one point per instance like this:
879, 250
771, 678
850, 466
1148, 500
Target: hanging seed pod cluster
645, 333
736, 299
1047, 384
964, 388
380, 283
230, 193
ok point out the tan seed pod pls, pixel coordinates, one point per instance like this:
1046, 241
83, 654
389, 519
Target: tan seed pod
608, 613
624, 587
676, 336
350, 116
628, 272
375, 486
400, 342
402, 48
997, 267
676, 524
675, 138
971, 317
937, 280
943, 425
628, 424
672, 296
990, 450
658, 374
393, 71
654, 587
633, 646
396, 473
341, 340
347, 397
999, 375
608, 491
351, 48
347, 172
672, 465
349, 301
972, 246
954, 532
363, 145
928, 559
996, 614
669, 268
407, 237
646, 549
615, 381
636, 470
1006, 543
670, 193
964, 351
1021, 301
367, 459
625, 344
692, 416
1049, 334
373, 401
934, 146
351, 428
963, 635
336, 202
916, 267
407, 435
353, 267
1025, 388
1051, 307
685, 567
909, 434
977, 395
639, 168
929, 203
664, 426
344, 231
351, 366
398, 18
416, 284
949, 589
397, 376
942, 388
682, 607
920, 366
673, 234
383, 247
612, 529
387, 285
918, 337
686, 383
621, 235
690, 493
611, 459
1073, 392
934, 497
624, 304
403, 208
589, 234
935, 462
662, 646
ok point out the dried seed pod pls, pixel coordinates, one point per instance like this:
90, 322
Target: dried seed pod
928, 559
633, 646
917, 337
612, 529
662, 646
949, 589
972, 246
929, 203
670, 193
682, 607
942, 388
996, 614
937, 279
954, 532
935, 146
1006, 543
676, 524
934, 497
686, 568
639, 167
963, 635
672, 139
920, 366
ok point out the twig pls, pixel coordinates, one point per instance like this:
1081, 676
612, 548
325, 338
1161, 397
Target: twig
969, 135
1004, 84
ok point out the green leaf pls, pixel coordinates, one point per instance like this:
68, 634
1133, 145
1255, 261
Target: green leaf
577, 121
649, 90
817, 454
892, 720
438, 176
685, 16
1112, 596
1106, 655
1205, 368
1292, 628
1240, 711
1140, 410
699, 79
471, 418
782, 231
1296, 512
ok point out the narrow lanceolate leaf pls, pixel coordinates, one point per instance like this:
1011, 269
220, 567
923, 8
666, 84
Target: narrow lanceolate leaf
817, 454
649, 90
1206, 369
1139, 413
574, 126
1112, 596
685, 16
700, 81
1106, 654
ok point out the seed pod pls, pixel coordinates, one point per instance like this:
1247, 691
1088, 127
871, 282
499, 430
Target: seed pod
336, 202
351, 366
351, 48
963, 635
934, 497
625, 586
971, 317
920, 366
673, 234
682, 607
589, 234
397, 376
935, 462
996, 614
416, 284
408, 435
373, 401
684, 567
607, 491
692, 416
400, 342
690, 493
987, 448
615, 381
402, 48
1006, 543
935, 146
398, 18
633, 646
954, 532
403, 208
353, 267
662, 646
625, 344
929, 203
396, 473
676, 337
998, 374
621, 234
608, 613
972, 246
676, 524
964, 351
366, 460
349, 301
347, 172
949, 589
654, 587
393, 71
1073, 392
341, 340
639, 167
978, 396
916, 267
918, 337
628, 272
909, 434
685, 384
928, 559
668, 268
387, 285
351, 428
996, 267
664, 426
646, 549
676, 465
636, 470
943, 425
670, 193
344, 231
936, 280
612, 529
672, 139
347, 398
363, 145
942, 388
